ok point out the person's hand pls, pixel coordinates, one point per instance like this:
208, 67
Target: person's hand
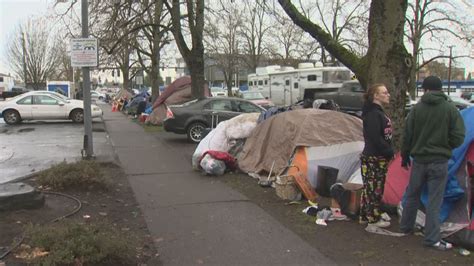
406, 163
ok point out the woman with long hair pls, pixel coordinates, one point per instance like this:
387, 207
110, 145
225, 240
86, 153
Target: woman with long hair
377, 153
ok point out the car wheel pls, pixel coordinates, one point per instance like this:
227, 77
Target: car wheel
77, 116
196, 132
11, 117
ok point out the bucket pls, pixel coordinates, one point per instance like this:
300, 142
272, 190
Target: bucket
327, 177
286, 189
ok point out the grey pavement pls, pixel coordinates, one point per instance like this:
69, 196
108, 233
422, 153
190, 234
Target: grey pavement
33, 146
193, 218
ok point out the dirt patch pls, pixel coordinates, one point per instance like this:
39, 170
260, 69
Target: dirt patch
116, 206
345, 242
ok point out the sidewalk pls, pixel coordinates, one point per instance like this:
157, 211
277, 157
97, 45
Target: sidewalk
195, 219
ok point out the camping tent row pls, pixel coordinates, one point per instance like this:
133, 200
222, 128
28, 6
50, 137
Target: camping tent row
311, 139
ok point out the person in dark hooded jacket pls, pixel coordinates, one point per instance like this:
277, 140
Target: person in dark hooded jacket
377, 153
434, 127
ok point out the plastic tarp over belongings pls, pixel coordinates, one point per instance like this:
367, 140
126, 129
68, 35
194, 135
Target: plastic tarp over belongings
179, 91
216, 162
315, 137
224, 136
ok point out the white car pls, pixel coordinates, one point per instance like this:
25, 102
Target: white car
97, 96
39, 105
218, 92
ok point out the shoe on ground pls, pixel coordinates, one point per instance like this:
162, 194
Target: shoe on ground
381, 224
363, 221
442, 245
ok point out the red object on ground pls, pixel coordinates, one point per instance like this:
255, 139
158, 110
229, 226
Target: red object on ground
228, 159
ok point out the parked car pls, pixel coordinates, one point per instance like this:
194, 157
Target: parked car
97, 96
459, 102
44, 106
15, 91
257, 98
467, 95
218, 92
194, 117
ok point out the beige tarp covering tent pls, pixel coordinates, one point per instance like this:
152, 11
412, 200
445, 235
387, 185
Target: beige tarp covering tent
275, 139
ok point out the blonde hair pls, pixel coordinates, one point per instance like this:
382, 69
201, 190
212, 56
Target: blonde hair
373, 89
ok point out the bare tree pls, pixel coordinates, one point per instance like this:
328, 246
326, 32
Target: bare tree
222, 39
433, 20
254, 30
386, 61
188, 21
151, 39
346, 21
33, 53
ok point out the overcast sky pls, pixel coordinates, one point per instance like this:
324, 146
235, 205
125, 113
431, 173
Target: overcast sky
13, 12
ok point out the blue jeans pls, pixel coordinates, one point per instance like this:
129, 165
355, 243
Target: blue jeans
435, 176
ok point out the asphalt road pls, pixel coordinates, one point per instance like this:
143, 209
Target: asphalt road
32, 146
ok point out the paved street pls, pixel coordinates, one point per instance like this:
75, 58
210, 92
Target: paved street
33, 146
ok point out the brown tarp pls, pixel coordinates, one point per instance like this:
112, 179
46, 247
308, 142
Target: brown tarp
275, 139
179, 91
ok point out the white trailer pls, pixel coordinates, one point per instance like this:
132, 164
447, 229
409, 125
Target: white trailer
287, 85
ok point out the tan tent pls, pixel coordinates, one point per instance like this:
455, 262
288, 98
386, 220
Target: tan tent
276, 139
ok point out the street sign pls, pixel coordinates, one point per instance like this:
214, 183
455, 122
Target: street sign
84, 52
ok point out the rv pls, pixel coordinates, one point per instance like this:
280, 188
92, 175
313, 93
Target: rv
286, 85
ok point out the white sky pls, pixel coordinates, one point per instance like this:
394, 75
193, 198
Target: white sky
14, 12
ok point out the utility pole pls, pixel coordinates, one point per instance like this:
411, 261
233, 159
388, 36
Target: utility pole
449, 67
86, 92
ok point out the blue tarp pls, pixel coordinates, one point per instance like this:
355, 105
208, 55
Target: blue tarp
142, 96
453, 191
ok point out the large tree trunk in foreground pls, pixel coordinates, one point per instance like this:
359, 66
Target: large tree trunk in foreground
388, 61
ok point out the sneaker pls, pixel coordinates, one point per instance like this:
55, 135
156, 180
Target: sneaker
442, 245
381, 223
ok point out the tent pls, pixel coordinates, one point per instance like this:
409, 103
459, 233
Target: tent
179, 91
123, 93
306, 138
456, 213
133, 103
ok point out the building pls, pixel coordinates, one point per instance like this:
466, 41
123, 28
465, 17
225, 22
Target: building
6, 82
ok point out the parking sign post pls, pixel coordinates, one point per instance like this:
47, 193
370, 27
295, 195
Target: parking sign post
86, 90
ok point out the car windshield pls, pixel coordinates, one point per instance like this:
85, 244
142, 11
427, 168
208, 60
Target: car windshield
252, 96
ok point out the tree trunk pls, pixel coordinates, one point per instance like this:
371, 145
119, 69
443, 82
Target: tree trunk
388, 61
196, 67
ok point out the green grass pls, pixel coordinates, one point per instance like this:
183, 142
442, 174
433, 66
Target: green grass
70, 243
84, 174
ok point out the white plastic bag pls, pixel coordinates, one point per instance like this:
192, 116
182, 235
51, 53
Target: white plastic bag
212, 166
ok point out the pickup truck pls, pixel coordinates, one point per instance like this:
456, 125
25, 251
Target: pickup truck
14, 92
349, 96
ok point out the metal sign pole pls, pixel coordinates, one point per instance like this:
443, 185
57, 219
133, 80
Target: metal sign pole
86, 92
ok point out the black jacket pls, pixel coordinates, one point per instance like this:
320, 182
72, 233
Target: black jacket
377, 131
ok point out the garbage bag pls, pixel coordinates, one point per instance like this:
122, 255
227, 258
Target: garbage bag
212, 166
